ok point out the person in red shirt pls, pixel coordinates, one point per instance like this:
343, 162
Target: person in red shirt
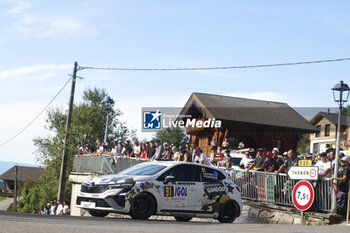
143, 151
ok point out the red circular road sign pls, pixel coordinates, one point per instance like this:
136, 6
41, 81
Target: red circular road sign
303, 195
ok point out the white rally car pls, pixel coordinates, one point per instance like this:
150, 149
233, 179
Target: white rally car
180, 189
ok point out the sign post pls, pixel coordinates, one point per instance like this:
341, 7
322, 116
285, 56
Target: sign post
303, 195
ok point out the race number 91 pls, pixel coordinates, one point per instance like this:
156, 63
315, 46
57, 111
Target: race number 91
168, 191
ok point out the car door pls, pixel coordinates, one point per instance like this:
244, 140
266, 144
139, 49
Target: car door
210, 189
180, 194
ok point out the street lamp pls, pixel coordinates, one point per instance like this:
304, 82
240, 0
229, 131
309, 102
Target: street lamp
110, 102
341, 95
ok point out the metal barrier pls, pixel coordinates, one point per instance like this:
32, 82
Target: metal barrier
271, 188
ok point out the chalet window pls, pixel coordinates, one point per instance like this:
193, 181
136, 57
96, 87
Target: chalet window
327, 130
318, 131
315, 148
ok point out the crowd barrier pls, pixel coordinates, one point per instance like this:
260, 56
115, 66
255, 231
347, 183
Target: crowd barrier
276, 189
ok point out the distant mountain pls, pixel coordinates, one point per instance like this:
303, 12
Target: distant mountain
4, 165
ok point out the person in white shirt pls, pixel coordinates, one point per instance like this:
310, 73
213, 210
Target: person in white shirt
53, 208
59, 210
176, 156
65, 208
200, 157
324, 166
246, 160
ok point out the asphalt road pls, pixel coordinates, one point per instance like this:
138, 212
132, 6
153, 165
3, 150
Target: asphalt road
20, 222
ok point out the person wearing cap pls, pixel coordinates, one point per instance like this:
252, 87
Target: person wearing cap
269, 163
343, 184
324, 166
310, 157
292, 160
258, 163
277, 158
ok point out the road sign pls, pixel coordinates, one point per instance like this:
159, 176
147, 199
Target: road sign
218, 156
303, 173
303, 195
305, 163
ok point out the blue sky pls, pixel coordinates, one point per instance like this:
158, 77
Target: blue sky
40, 40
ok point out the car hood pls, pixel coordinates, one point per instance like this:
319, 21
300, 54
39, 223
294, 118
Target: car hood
114, 179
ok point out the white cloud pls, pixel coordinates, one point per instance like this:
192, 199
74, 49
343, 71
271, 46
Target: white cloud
30, 71
20, 7
42, 26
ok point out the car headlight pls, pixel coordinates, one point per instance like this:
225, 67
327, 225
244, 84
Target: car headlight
125, 186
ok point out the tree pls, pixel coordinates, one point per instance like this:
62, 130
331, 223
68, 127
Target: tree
88, 124
303, 145
176, 136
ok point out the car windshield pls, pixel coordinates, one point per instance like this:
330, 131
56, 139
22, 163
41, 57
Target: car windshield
143, 169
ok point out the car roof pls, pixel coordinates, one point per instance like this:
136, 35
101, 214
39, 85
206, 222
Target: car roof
173, 163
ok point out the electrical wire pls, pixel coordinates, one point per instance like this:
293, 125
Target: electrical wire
217, 67
37, 116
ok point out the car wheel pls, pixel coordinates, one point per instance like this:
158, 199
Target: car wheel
227, 213
98, 213
142, 207
182, 219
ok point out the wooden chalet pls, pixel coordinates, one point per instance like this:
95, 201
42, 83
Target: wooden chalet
257, 123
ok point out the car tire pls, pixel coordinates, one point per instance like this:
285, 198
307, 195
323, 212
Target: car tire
182, 219
95, 213
227, 213
143, 206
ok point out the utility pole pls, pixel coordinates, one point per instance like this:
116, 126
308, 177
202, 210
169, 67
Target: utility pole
15, 191
62, 181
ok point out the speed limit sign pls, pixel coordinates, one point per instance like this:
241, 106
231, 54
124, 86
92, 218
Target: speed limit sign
303, 195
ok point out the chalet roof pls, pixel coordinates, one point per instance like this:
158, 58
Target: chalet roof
24, 173
251, 111
332, 117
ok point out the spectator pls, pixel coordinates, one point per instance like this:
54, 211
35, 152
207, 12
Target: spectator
258, 163
331, 156
82, 148
137, 149
42, 211
226, 158
194, 145
144, 151
66, 209
184, 155
343, 184
59, 209
48, 208
151, 150
53, 208
277, 158
159, 150
310, 157
270, 163
99, 147
200, 157
292, 160
212, 154
127, 150
324, 166
167, 154
225, 144
45, 210
176, 153
246, 161
241, 145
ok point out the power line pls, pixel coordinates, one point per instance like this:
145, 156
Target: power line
217, 67
31, 122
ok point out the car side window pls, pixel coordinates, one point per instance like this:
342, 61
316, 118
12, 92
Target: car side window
211, 175
184, 172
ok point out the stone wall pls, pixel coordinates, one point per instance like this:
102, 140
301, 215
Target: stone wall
264, 213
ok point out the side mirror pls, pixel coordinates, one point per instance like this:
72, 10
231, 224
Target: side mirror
168, 179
